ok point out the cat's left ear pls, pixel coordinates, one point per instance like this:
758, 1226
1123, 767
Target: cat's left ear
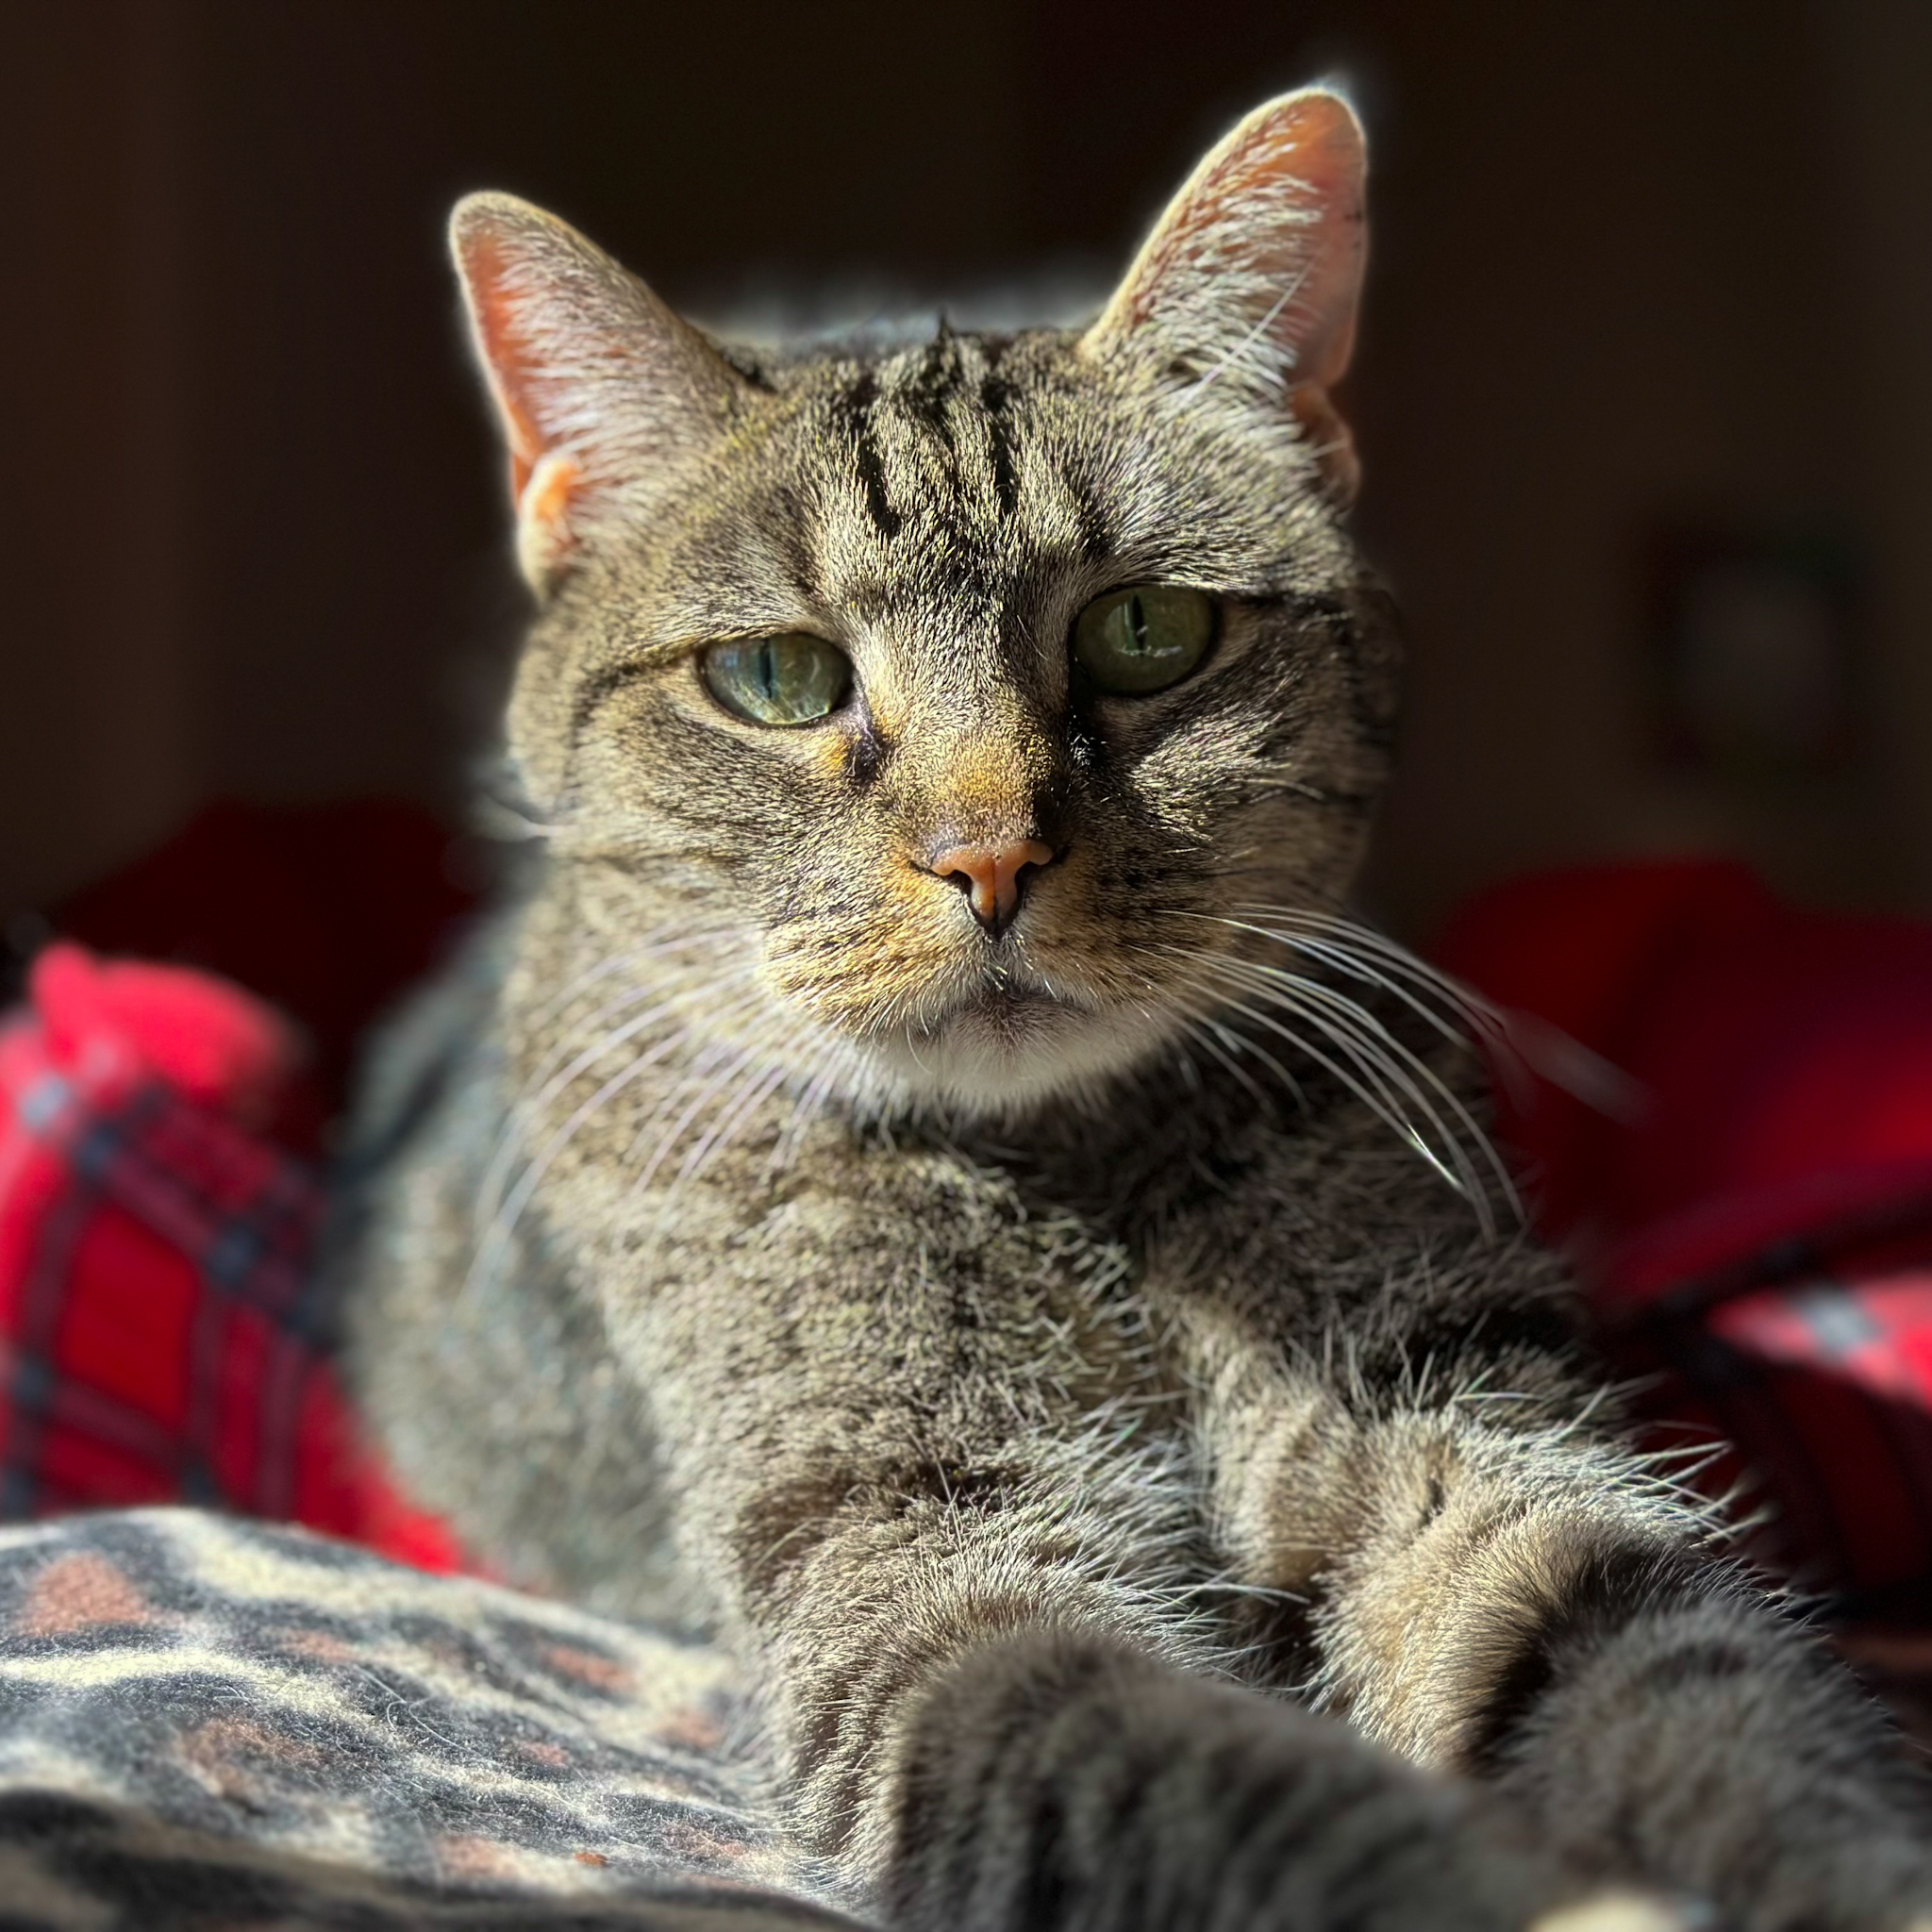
1253, 276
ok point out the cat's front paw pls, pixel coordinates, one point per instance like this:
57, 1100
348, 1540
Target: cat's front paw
1064, 1785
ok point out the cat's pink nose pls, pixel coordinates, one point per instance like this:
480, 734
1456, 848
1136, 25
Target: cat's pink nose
991, 875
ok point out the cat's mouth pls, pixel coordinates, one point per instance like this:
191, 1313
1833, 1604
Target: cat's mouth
1007, 1039
1004, 1010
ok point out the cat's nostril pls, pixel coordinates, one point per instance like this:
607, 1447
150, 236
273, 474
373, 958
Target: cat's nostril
993, 875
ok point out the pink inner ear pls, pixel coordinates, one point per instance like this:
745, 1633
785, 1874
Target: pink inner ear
1284, 199
544, 493
596, 381
1327, 157
508, 356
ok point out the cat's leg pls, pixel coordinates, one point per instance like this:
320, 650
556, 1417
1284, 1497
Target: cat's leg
1057, 1784
1532, 1606
1002, 1716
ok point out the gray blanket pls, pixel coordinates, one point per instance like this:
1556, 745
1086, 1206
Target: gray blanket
207, 1723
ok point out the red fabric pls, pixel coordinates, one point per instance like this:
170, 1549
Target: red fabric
1779, 1062
160, 1333
1724, 1107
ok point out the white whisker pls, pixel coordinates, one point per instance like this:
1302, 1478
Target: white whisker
1404, 1069
496, 1241
1398, 1086
528, 1107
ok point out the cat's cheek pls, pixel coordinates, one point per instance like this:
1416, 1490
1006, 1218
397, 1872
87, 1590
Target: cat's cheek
831, 756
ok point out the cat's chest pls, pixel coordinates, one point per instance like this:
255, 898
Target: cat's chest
844, 1270
708, 1191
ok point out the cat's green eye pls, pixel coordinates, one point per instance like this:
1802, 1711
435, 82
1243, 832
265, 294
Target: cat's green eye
1144, 638
793, 678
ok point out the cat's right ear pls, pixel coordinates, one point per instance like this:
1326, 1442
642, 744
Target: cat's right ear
601, 388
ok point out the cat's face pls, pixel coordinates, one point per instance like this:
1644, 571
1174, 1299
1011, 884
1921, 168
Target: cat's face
982, 687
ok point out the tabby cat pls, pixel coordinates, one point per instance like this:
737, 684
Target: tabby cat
925, 1184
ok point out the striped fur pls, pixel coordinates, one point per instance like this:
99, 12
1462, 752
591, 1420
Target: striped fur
1087, 1371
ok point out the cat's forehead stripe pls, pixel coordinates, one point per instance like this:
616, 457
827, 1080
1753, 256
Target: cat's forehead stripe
931, 432
856, 410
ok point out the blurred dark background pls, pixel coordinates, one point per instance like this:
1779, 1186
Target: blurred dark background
1645, 393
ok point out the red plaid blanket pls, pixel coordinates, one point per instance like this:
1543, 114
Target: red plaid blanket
160, 1333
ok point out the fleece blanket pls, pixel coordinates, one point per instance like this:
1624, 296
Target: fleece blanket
210, 1723
207, 1723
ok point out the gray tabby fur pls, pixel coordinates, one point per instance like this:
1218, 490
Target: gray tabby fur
1151, 1493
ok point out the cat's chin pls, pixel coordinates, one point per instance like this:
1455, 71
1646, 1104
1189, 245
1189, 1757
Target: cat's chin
1011, 1052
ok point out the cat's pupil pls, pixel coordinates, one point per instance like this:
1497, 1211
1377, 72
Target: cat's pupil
1137, 625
